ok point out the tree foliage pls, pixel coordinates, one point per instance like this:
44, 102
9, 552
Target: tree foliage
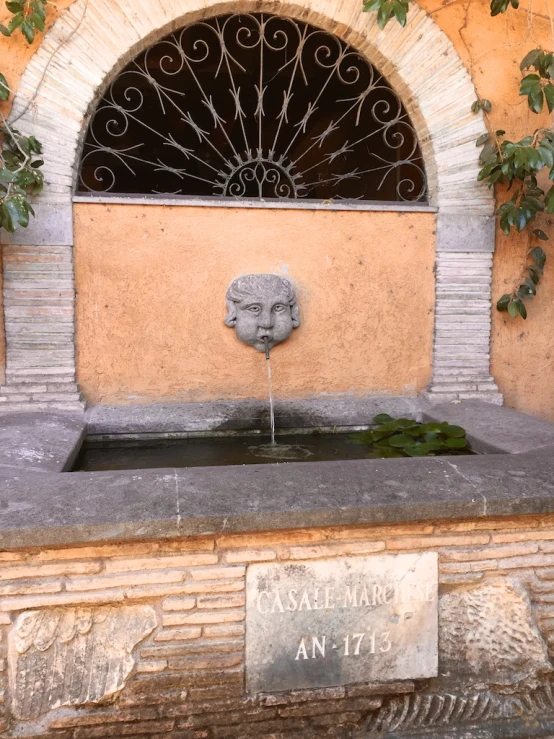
20, 176
28, 16
20, 163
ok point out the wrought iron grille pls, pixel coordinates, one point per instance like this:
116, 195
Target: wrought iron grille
255, 106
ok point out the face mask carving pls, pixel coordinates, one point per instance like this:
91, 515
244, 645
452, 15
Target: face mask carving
261, 307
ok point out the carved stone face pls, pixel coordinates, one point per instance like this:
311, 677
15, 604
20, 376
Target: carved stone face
261, 306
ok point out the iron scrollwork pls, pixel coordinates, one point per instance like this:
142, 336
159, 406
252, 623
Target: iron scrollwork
256, 106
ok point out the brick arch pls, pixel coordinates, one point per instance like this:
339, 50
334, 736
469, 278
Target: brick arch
91, 42
419, 61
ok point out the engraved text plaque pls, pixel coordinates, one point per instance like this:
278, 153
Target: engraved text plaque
340, 621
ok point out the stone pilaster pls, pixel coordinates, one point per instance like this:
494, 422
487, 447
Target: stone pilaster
461, 347
39, 318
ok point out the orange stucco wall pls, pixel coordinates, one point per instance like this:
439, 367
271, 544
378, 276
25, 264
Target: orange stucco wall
522, 352
151, 285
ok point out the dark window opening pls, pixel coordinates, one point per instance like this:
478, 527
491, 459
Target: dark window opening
253, 106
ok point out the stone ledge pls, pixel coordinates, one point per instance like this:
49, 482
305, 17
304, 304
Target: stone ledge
40, 442
60, 510
493, 429
175, 418
39, 507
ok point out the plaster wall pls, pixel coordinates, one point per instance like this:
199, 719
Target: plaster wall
151, 285
491, 49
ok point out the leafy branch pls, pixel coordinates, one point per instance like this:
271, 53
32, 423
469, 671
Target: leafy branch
28, 16
517, 165
513, 302
20, 176
398, 9
20, 163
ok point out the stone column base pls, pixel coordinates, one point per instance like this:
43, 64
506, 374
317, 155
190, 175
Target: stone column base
474, 388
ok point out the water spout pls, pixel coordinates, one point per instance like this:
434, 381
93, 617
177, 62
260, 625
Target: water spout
270, 387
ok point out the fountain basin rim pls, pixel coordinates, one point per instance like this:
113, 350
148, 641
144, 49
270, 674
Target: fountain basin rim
40, 507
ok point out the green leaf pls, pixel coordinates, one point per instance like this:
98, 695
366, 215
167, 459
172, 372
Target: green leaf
523, 292
536, 100
37, 21
540, 234
6, 176
13, 213
415, 450
521, 219
486, 105
28, 30
454, 431
488, 151
546, 153
529, 83
529, 283
476, 106
530, 59
384, 14
399, 440
400, 13
534, 273
482, 139
549, 95
538, 256
4, 89
549, 201
513, 309
4, 31
15, 23
456, 443
382, 418
499, 6
34, 145
522, 309
503, 302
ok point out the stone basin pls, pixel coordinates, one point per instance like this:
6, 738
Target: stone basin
160, 559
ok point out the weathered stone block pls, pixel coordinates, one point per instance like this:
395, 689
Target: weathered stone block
51, 649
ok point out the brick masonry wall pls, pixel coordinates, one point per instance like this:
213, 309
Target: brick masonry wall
188, 678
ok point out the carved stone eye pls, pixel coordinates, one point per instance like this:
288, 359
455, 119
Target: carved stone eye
254, 309
279, 308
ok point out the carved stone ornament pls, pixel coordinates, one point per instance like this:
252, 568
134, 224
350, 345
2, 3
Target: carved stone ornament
72, 657
489, 638
261, 307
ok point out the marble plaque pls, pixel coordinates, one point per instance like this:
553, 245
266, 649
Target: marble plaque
340, 621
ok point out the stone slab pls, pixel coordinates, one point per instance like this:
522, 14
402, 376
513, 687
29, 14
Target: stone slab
38, 509
175, 418
493, 429
341, 621
51, 226
35, 441
52, 509
460, 232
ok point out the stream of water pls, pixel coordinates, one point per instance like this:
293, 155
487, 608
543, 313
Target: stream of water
270, 388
